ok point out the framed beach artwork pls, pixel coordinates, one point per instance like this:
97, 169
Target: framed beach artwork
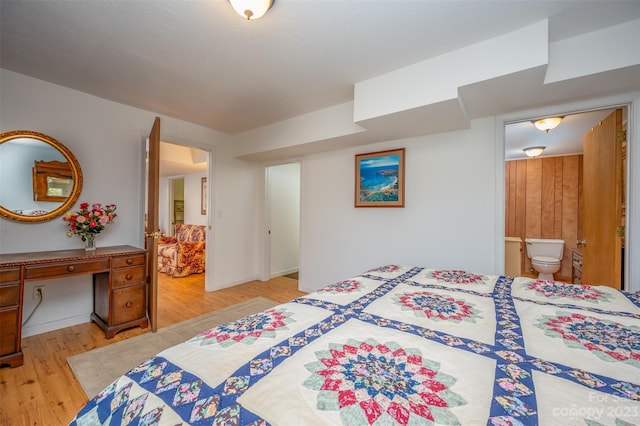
380, 179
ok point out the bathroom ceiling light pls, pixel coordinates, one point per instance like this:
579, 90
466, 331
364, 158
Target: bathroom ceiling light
251, 9
547, 124
534, 151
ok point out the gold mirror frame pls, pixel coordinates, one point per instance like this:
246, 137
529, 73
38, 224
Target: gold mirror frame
75, 169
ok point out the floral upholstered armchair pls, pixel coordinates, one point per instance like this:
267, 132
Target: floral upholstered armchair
183, 254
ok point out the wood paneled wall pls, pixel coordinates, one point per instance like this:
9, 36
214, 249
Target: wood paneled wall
544, 200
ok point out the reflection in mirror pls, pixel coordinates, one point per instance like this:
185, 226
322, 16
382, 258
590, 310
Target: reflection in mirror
40, 179
52, 180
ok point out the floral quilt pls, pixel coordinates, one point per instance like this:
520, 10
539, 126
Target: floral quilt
400, 345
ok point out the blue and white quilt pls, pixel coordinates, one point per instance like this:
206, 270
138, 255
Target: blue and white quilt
400, 345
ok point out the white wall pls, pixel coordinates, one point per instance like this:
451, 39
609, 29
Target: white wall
448, 219
192, 208
454, 213
163, 206
633, 197
107, 139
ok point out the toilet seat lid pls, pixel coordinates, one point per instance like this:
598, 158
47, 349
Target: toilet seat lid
545, 259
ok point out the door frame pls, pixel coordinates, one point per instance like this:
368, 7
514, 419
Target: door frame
631, 269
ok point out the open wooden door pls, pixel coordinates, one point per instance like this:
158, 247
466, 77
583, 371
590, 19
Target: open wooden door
603, 203
151, 232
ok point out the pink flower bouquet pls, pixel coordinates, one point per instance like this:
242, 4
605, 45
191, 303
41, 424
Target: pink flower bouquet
90, 220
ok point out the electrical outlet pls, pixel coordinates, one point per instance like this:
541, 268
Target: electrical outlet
38, 289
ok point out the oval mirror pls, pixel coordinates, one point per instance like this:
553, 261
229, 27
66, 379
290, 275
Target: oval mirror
40, 179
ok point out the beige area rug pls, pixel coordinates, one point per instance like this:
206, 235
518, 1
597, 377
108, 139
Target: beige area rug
96, 369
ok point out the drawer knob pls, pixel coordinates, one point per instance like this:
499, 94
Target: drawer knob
71, 268
129, 276
129, 304
129, 261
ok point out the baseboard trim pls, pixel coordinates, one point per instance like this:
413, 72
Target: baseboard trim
285, 272
55, 325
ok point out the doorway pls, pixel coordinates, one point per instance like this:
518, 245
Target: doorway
182, 170
545, 196
282, 219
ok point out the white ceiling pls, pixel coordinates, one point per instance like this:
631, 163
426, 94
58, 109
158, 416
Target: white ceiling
178, 160
565, 139
200, 62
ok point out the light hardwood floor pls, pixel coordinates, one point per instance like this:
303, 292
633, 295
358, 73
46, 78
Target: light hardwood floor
44, 390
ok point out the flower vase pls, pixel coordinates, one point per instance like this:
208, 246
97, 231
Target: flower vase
89, 242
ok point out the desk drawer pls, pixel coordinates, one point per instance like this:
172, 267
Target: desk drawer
129, 304
128, 276
126, 261
9, 295
8, 275
66, 269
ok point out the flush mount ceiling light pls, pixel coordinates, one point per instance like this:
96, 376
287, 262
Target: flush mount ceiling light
547, 124
534, 151
251, 9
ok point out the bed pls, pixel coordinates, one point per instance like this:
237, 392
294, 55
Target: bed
400, 345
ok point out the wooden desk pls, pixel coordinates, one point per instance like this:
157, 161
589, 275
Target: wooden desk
119, 289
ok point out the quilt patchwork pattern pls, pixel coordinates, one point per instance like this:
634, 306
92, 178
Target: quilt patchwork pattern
247, 329
437, 307
371, 368
554, 291
608, 340
367, 381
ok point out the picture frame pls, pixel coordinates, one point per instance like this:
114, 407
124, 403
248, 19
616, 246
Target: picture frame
203, 196
379, 178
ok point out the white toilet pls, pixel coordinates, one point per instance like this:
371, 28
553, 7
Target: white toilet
545, 255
